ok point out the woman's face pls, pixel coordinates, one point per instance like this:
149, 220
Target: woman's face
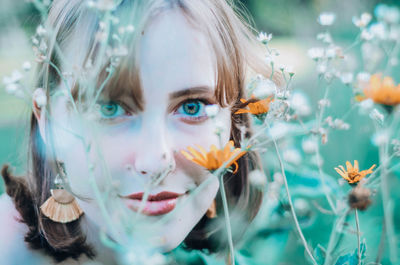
127, 148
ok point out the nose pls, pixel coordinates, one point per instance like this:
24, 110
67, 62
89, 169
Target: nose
154, 156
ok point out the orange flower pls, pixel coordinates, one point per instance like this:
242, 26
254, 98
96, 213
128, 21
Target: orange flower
352, 174
256, 106
383, 91
215, 158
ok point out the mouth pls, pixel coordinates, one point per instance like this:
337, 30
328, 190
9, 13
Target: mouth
156, 204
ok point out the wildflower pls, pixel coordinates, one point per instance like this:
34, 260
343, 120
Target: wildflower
326, 18
352, 174
377, 116
359, 198
40, 97
366, 35
309, 146
387, 13
363, 21
299, 103
316, 53
346, 78
292, 156
264, 88
26, 66
382, 91
264, 37
257, 178
215, 158
256, 106
378, 30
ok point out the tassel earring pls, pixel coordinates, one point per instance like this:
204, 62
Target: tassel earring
212, 210
61, 207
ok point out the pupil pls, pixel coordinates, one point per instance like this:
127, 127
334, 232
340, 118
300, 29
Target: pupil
109, 109
191, 108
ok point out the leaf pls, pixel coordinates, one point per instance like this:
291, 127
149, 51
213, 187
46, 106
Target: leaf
352, 259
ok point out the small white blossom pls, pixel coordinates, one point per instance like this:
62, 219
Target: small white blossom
130, 28
257, 178
363, 77
347, 78
299, 103
316, 53
322, 68
40, 97
380, 138
366, 35
264, 88
26, 66
12, 88
378, 30
362, 21
40, 31
264, 37
292, 156
212, 110
331, 53
309, 146
377, 116
367, 104
324, 103
326, 18
324, 37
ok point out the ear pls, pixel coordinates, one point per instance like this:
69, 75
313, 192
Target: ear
39, 101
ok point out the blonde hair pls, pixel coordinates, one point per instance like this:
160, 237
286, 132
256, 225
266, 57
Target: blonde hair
74, 26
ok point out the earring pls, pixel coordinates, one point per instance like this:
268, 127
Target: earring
61, 207
212, 210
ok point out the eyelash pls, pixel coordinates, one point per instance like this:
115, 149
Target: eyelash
184, 117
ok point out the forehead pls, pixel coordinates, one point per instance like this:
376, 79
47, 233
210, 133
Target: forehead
174, 54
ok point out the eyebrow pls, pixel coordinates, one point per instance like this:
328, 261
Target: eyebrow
191, 91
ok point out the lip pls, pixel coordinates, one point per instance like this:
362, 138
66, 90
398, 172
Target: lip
156, 204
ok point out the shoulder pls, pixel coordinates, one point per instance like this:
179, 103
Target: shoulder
13, 248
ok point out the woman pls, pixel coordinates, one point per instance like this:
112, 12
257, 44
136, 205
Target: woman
123, 88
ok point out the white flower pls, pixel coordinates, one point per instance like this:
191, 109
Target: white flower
363, 77
378, 30
326, 18
366, 35
322, 68
324, 37
264, 88
309, 146
380, 138
279, 130
130, 28
324, 103
331, 53
377, 116
40, 31
316, 53
40, 97
292, 156
212, 110
264, 37
12, 88
257, 178
299, 103
363, 21
367, 104
26, 66
347, 78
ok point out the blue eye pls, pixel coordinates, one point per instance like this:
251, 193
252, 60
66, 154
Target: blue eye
192, 108
111, 110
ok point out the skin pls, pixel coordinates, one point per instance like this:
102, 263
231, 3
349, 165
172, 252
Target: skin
135, 145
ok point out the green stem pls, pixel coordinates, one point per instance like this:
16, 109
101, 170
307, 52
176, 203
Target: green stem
291, 203
332, 239
227, 219
358, 238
